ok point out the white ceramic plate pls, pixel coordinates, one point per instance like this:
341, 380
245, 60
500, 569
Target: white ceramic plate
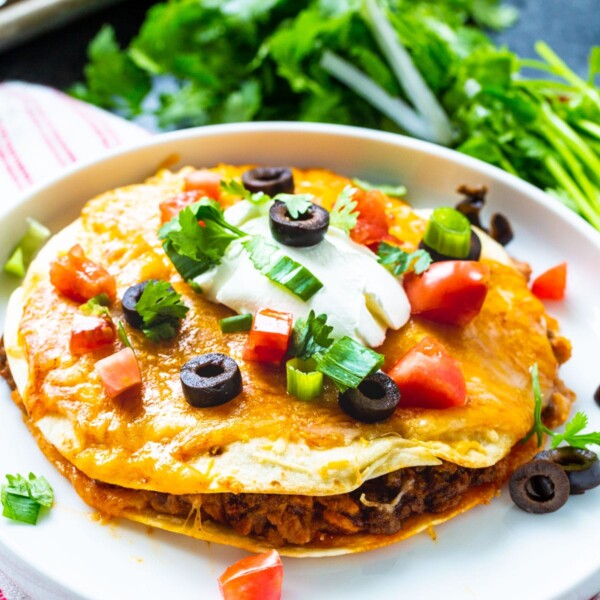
494, 551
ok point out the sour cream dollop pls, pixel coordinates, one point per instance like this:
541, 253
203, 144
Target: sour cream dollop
360, 297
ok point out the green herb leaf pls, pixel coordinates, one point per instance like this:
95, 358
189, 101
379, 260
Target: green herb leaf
23, 498
395, 191
572, 435
398, 262
235, 188
343, 216
122, 335
161, 309
310, 336
96, 306
538, 428
281, 269
347, 363
296, 204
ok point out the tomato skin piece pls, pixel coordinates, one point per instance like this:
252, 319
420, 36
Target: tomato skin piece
257, 577
269, 337
172, 206
429, 377
119, 372
373, 223
451, 291
551, 284
207, 183
79, 278
89, 333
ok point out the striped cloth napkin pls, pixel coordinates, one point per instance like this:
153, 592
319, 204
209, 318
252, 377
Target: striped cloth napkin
42, 132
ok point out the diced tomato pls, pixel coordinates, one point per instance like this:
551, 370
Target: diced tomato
119, 372
451, 291
208, 183
269, 337
79, 278
256, 577
89, 333
552, 284
172, 206
428, 377
373, 224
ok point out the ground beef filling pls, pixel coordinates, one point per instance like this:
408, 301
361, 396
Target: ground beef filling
379, 506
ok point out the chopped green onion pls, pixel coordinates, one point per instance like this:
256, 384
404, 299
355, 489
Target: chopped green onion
23, 498
187, 267
236, 323
27, 248
303, 381
347, 363
281, 269
122, 335
395, 191
96, 306
448, 232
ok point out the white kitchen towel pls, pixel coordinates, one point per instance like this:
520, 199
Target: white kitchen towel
43, 132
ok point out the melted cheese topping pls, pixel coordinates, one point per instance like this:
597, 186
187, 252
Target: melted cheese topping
263, 440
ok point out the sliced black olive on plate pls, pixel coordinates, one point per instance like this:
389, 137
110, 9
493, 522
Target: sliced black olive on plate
131, 298
500, 229
539, 487
374, 400
308, 229
210, 380
581, 466
597, 396
269, 180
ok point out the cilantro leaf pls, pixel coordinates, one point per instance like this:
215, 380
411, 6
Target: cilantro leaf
398, 262
161, 309
538, 428
344, 216
96, 306
572, 435
395, 191
310, 335
235, 188
296, 204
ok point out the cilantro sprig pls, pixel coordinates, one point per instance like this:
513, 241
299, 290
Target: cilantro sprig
161, 309
398, 262
572, 434
23, 498
310, 336
344, 215
235, 188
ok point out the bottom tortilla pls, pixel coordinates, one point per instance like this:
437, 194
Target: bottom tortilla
115, 501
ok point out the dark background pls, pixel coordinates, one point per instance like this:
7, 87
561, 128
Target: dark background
57, 58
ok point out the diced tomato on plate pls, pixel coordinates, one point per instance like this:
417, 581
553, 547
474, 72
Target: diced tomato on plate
208, 183
88, 333
269, 337
373, 223
552, 284
119, 372
256, 577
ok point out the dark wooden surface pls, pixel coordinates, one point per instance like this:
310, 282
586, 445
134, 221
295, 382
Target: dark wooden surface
57, 58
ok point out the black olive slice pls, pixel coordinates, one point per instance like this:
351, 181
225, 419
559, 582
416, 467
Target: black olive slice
597, 396
210, 380
374, 400
500, 229
473, 203
308, 229
581, 466
130, 299
270, 180
539, 487
474, 250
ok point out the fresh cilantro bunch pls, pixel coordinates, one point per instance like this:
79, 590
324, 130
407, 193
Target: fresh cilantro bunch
344, 215
310, 336
161, 309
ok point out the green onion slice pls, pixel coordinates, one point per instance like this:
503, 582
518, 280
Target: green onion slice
187, 267
23, 498
281, 269
448, 232
236, 323
347, 363
20, 508
303, 380
26, 249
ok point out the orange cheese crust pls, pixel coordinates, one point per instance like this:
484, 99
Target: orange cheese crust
144, 442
